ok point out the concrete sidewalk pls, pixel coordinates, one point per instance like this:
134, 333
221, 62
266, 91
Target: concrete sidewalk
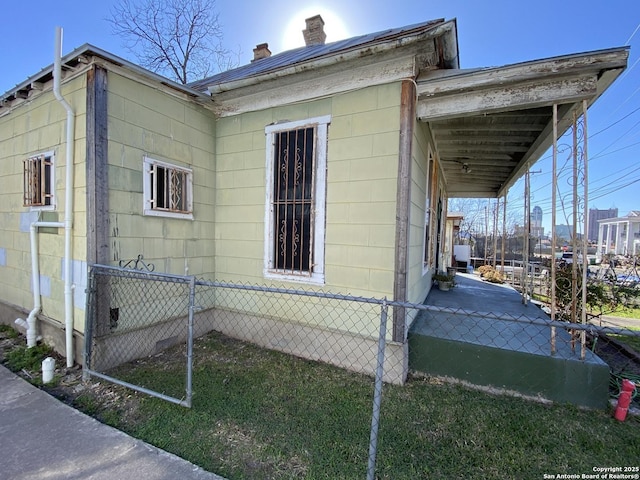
609, 321
42, 438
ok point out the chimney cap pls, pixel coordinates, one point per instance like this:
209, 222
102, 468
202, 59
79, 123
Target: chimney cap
316, 19
261, 51
314, 33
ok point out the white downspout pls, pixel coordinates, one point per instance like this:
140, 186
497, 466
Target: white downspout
30, 323
68, 201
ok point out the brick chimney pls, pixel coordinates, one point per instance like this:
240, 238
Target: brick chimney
314, 33
261, 51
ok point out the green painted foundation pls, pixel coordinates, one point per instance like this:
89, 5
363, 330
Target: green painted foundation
483, 334
557, 379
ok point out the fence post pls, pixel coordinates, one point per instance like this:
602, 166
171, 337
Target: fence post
90, 312
192, 300
377, 393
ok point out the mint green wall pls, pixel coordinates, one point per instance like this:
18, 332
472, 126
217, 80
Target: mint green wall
362, 163
419, 279
38, 125
147, 121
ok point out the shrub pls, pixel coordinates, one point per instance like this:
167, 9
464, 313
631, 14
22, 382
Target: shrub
490, 274
484, 269
493, 276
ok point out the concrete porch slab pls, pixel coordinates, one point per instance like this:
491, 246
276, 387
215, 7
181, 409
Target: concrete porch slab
502, 352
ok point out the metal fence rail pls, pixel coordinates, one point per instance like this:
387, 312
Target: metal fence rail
133, 315
140, 324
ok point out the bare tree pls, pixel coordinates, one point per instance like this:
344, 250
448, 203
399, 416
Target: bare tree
181, 39
473, 221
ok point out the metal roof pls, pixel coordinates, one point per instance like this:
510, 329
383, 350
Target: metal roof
311, 52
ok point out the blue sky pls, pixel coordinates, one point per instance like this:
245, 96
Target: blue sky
490, 33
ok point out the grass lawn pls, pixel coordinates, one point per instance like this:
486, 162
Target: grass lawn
259, 414
631, 341
626, 313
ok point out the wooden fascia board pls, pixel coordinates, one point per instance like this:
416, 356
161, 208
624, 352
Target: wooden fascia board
314, 85
415, 40
510, 97
565, 119
572, 65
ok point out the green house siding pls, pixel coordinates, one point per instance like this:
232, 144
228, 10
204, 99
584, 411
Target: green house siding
144, 121
419, 279
36, 126
361, 190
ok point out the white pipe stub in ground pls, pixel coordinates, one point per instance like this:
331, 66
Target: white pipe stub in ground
48, 367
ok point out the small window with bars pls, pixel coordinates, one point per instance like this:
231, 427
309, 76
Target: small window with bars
296, 205
38, 181
167, 189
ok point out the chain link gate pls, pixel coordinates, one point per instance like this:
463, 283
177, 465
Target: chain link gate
135, 314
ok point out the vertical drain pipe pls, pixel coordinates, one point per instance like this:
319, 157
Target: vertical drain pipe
30, 323
68, 203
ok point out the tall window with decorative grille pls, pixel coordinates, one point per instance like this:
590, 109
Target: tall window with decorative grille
168, 189
294, 237
38, 191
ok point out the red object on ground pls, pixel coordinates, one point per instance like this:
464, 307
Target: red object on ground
624, 400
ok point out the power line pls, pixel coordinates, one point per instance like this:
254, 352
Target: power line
616, 122
634, 32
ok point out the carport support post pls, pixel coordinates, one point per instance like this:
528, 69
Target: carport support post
574, 237
585, 240
504, 232
554, 184
525, 239
403, 204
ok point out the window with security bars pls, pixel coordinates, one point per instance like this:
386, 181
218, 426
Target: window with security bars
295, 229
38, 181
167, 189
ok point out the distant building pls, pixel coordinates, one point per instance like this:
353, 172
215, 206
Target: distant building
564, 232
620, 236
595, 215
535, 219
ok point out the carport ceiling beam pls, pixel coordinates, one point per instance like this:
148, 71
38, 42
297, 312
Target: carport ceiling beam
499, 138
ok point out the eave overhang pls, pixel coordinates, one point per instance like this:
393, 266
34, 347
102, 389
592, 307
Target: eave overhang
385, 60
77, 62
490, 125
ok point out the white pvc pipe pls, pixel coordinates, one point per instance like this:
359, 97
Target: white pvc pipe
30, 322
68, 203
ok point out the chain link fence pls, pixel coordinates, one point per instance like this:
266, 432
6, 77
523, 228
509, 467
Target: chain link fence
133, 317
143, 330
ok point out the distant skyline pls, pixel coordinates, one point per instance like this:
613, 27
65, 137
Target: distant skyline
495, 33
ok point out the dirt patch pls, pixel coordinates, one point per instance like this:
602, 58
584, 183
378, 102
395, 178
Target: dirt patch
98, 399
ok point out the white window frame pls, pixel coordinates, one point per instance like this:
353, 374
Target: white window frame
428, 218
50, 155
148, 209
319, 201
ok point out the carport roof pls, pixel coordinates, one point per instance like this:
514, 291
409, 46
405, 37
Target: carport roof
489, 125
